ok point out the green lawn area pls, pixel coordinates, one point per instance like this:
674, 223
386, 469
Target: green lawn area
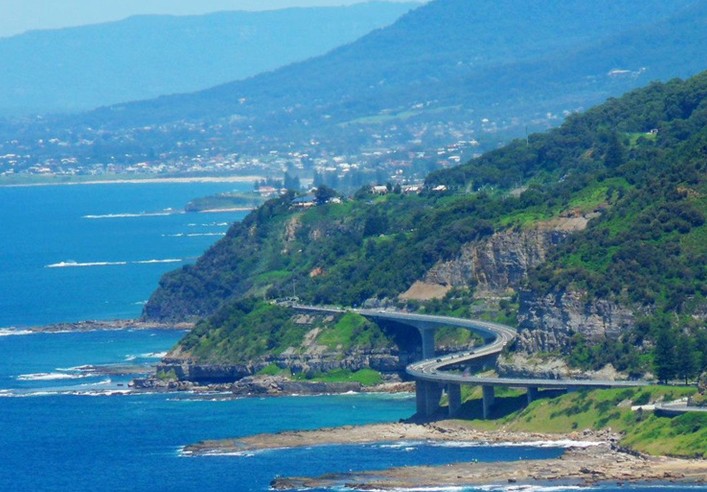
642, 430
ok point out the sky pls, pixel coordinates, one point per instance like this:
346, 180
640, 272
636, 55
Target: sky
17, 16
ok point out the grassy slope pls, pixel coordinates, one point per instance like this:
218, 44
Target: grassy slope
601, 409
255, 329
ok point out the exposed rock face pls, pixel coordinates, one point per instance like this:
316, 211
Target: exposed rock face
498, 263
187, 370
518, 365
548, 323
273, 385
501, 263
387, 361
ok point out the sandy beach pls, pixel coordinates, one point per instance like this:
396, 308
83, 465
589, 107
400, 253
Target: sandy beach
591, 457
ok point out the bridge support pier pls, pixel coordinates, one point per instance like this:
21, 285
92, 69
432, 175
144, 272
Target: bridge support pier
427, 397
428, 342
454, 394
532, 394
489, 399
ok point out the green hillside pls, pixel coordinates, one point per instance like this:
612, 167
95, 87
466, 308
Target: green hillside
638, 163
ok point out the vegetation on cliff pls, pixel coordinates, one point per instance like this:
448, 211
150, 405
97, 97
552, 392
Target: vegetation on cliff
636, 163
249, 329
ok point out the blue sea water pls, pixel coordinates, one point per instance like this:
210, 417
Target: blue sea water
72, 253
68, 421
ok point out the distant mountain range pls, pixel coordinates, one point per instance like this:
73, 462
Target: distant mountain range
142, 57
449, 71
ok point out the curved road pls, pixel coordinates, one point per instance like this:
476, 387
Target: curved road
431, 369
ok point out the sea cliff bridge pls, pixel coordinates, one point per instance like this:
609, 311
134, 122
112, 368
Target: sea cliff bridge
433, 377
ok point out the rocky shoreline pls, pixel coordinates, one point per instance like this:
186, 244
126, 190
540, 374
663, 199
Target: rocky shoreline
591, 458
106, 325
259, 386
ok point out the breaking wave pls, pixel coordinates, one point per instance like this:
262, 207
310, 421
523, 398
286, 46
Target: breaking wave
76, 264
129, 215
12, 332
195, 234
50, 376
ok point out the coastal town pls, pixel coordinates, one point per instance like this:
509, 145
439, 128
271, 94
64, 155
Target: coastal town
404, 154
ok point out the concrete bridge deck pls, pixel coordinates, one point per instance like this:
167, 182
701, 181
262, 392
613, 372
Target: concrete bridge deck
432, 378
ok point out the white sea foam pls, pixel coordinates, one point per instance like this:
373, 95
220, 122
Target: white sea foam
238, 454
76, 264
130, 215
401, 444
105, 392
50, 376
154, 355
145, 355
529, 488
91, 390
196, 234
210, 224
13, 394
149, 262
13, 332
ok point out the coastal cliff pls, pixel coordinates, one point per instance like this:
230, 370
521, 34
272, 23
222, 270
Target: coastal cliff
547, 323
496, 264
390, 362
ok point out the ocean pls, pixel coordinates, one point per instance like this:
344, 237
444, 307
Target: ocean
69, 421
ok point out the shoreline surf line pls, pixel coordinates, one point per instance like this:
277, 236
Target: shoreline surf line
174, 180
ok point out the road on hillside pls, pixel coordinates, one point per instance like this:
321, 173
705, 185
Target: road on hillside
434, 369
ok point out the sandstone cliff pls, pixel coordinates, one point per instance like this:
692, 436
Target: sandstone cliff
387, 361
547, 323
498, 263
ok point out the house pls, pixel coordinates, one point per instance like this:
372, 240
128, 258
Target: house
305, 201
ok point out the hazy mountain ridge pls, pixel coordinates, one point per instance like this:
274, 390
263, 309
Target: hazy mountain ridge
449, 72
141, 57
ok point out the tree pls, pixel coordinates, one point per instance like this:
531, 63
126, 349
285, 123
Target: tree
665, 360
291, 182
687, 358
323, 194
615, 153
